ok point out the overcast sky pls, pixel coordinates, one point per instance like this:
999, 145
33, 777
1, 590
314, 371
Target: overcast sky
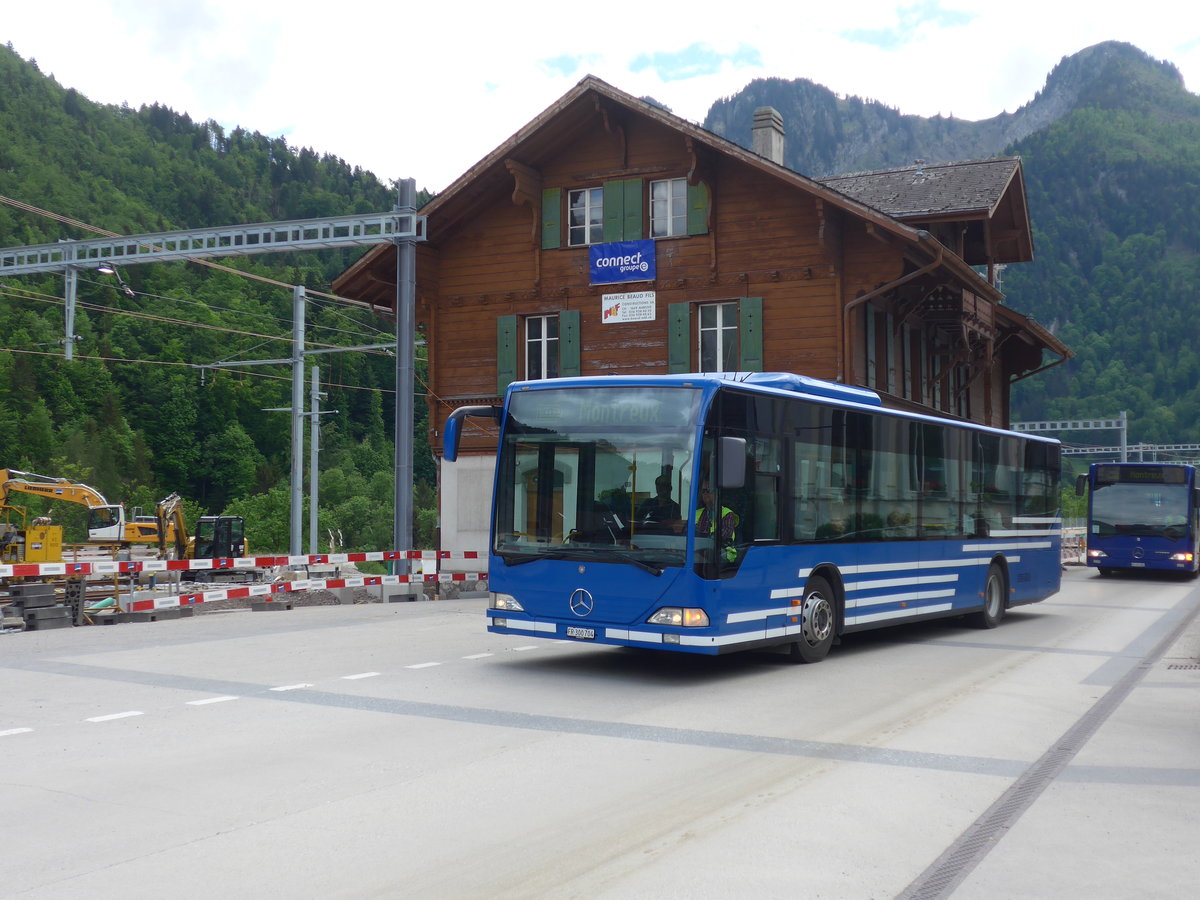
426, 90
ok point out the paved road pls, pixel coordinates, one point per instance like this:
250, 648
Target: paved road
401, 751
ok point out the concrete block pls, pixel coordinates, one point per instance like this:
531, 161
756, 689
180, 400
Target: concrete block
397, 593
31, 589
270, 604
151, 615
43, 618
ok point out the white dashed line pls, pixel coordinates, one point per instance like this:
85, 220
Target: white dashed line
423, 665
291, 687
479, 656
120, 715
208, 700
523, 649
360, 675
15, 731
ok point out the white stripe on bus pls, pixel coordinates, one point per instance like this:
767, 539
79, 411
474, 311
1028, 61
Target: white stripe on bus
871, 568
897, 614
881, 599
899, 582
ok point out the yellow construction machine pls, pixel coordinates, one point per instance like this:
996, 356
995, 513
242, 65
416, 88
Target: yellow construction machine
41, 540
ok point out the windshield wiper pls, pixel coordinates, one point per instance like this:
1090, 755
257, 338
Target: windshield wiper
517, 558
640, 563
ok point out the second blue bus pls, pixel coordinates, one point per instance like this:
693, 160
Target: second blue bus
1142, 516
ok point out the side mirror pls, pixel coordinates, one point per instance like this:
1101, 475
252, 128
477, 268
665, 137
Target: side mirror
1080, 485
454, 426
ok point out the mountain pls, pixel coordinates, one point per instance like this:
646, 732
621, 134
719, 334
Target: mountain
830, 135
1111, 153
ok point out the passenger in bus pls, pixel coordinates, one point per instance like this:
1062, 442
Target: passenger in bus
707, 522
660, 509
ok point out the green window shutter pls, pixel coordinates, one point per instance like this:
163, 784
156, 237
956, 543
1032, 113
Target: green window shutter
697, 201
506, 352
633, 210
551, 219
679, 338
750, 337
614, 211
623, 210
568, 343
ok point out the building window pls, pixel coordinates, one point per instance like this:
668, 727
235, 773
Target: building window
585, 210
719, 337
668, 208
541, 347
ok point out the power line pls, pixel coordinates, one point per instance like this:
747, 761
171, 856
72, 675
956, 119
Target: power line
162, 362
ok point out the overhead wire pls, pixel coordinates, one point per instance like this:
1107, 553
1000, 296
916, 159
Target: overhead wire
331, 302
334, 302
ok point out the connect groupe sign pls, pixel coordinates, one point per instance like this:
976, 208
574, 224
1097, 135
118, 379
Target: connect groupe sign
622, 261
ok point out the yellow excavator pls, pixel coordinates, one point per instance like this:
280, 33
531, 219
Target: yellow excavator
41, 541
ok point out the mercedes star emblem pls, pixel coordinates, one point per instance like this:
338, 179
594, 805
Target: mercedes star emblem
582, 603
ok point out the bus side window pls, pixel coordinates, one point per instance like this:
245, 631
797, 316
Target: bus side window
889, 497
821, 505
767, 457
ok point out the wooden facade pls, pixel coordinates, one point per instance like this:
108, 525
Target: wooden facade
802, 276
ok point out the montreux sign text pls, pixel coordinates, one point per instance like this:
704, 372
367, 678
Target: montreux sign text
622, 261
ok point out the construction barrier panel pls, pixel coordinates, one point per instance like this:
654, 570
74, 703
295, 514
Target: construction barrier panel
266, 592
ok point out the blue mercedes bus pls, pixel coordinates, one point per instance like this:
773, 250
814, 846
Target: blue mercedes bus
713, 513
1141, 516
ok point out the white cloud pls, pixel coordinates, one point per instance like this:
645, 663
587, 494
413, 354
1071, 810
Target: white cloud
425, 91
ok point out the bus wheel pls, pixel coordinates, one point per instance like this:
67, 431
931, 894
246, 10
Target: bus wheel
993, 600
1105, 572
819, 617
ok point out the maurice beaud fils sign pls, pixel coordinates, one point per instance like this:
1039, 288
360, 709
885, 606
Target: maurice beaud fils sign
633, 307
622, 261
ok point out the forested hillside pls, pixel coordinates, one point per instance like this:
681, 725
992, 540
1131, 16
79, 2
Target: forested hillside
1111, 153
133, 415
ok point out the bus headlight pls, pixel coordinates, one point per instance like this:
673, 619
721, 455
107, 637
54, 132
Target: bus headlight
1182, 557
506, 601
678, 616
1096, 554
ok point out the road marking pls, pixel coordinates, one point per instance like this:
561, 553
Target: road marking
15, 731
423, 665
360, 675
120, 715
291, 687
526, 647
208, 700
479, 656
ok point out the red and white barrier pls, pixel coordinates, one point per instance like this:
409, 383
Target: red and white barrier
122, 567
268, 592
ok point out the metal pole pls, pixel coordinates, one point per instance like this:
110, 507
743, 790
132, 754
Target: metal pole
406, 321
297, 420
71, 277
1124, 440
314, 408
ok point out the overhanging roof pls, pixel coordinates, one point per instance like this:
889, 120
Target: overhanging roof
986, 190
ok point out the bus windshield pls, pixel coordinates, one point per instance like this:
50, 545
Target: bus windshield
1144, 510
597, 473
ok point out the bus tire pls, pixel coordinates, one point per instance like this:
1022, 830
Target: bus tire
994, 590
819, 623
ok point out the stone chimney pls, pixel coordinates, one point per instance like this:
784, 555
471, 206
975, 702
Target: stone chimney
766, 135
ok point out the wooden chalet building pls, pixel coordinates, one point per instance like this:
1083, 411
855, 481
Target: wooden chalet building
864, 279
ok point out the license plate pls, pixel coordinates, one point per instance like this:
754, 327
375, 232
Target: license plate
583, 634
